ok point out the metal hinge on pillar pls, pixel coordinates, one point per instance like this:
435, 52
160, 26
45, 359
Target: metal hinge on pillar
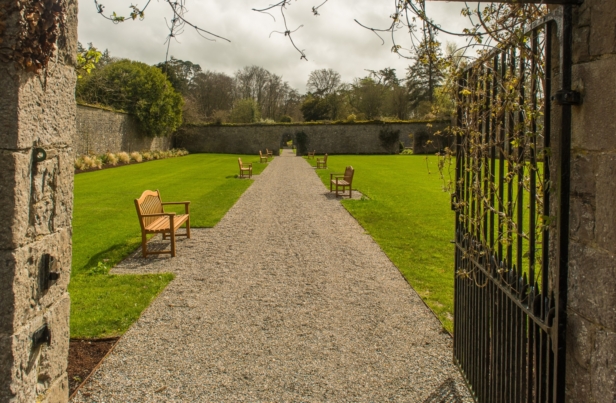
48, 274
41, 336
567, 97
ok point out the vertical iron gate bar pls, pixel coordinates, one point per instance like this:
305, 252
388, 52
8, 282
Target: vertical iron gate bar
563, 205
510, 300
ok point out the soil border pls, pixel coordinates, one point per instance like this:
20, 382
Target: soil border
117, 339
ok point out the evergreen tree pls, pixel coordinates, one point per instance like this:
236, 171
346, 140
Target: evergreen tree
427, 71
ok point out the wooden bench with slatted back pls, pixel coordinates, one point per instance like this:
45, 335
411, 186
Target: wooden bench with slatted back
342, 181
262, 158
311, 154
322, 162
154, 220
247, 168
269, 154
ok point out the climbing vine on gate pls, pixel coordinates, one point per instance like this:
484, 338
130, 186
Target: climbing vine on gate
502, 155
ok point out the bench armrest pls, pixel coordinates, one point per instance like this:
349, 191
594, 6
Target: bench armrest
331, 176
185, 203
157, 215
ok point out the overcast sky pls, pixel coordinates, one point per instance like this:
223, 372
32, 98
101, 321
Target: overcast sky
331, 40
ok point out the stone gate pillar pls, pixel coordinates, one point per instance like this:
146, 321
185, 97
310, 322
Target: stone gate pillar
37, 121
591, 327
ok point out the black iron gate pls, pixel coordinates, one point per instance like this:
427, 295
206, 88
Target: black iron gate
511, 202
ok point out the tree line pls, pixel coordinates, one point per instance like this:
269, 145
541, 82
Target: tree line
165, 95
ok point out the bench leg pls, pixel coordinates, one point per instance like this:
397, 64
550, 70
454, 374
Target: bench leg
188, 228
172, 243
144, 244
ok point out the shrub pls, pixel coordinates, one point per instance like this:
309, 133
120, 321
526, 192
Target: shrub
141, 90
92, 162
136, 156
80, 165
87, 161
286, 119
389, 138
110, 158
123, 157
148, 156
302, 142
351, 118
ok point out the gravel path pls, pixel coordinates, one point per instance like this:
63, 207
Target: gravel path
285, 300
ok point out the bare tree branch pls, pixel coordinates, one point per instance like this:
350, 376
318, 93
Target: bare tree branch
287, 32
178, 21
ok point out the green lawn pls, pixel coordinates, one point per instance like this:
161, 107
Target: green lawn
409, 216
106, 229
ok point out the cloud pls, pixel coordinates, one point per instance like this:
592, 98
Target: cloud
331, 40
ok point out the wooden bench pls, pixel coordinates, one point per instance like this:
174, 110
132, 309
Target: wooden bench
342, 181
322, 162
245, 169
311, 154
262, 158
269, 154
154, 220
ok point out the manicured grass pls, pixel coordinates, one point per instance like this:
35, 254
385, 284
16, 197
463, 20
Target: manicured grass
106, 229
410, 217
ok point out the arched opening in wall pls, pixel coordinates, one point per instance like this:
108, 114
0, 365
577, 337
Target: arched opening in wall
287, 140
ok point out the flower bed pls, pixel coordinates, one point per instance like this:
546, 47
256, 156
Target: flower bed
87, 163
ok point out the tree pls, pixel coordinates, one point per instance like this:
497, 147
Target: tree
367, 97
427, 71
210, 92
396, 102
315, 108
274, 95
245, 111
87, 59
323, 82
136, 88
180, 73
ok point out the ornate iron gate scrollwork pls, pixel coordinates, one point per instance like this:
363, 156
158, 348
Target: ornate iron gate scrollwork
511, 239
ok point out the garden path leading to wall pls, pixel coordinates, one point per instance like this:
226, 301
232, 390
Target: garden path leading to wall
286, 299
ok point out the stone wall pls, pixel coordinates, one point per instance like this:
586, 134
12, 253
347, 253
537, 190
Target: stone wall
361, 138
36, 194
591, 328
99, 131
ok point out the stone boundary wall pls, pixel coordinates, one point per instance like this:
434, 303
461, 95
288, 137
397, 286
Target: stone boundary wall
100, 130
359, 138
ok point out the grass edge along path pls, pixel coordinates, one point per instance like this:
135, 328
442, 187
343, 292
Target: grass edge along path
409, 216
106, 230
